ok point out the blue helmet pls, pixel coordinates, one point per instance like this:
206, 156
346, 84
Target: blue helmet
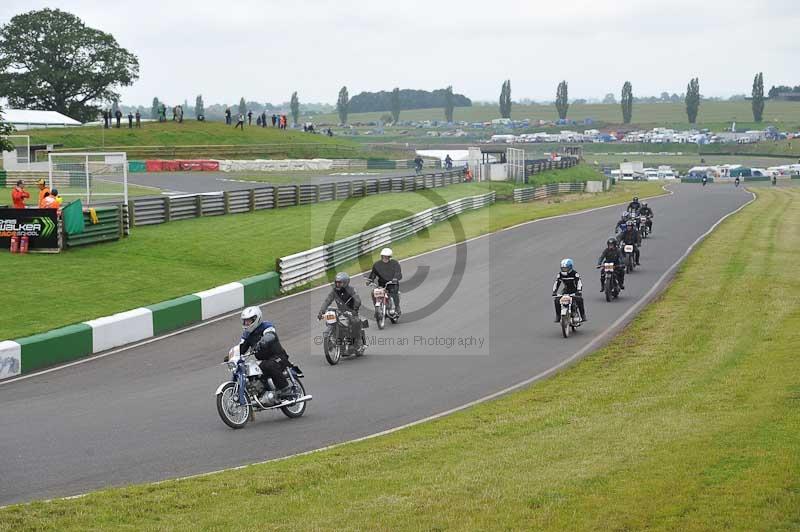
566, 265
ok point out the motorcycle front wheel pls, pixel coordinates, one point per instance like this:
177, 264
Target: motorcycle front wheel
297, 409
607, 288
332, 349
230, 411
380, 316
565, 325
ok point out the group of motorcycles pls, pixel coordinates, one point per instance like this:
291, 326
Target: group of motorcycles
611, 274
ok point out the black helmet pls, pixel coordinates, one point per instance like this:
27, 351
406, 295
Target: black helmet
636, 198
611, 242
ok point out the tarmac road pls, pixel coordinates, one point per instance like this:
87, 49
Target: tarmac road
148, 413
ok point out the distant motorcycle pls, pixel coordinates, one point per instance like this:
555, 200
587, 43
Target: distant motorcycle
643, 227
337, 340
705, 180
570, 315
238, 398
384, 304
610, 284
628, 259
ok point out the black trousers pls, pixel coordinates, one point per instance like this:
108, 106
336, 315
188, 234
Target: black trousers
273, 368
619, 270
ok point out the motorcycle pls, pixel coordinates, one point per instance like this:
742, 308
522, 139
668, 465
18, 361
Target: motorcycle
610, 284
337, 340
705, 180
643, 228
627, 255
238, 398
736, 182
570, 315
384, 304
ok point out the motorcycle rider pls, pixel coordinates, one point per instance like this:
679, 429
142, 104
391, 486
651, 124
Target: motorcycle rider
347, 300
622, 222
387, 270
705, 180
612, 254
448, 162
418, 163
736, 181
633, 237
572, 285
260, 337
646, 210
634, 206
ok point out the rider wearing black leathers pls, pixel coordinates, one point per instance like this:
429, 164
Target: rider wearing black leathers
634, 206
572, 285
621, 223
612, 254
347, 300
633, 237
387, 270
646, 210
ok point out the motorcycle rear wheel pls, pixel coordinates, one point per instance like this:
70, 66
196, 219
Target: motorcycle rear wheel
298, 409
230, 411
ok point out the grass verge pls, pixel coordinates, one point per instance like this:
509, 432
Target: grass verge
687, 420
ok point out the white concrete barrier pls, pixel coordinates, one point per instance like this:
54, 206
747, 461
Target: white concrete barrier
10, 359
594, 186
120, 329
221, 299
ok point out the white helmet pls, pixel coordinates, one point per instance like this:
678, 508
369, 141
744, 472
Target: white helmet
251, 318
386, 252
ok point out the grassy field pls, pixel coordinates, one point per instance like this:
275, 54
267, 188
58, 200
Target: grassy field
173, 136
688, 420
784, 148
682, 163
164, 261
714, 115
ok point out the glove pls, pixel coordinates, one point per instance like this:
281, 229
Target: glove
225, 359
368, 282
395, 281
319, 316
555, 292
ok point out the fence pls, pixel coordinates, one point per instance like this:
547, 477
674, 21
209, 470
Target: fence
302, 267
522, 195
112, 224
537, 166
156, 210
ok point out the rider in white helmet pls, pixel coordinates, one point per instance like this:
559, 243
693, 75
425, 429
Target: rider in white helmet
388, 273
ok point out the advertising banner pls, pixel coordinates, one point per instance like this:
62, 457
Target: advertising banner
40, 225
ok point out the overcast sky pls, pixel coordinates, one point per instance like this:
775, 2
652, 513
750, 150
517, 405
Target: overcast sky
263, 50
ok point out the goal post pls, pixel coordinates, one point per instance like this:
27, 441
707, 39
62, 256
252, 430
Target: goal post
92, 177
25, 159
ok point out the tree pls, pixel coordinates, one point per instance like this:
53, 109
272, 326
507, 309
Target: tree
562, 100
626, 100
342, 105
448, 104
692, 99
114, 107
664, 96
199, 107
295, 106
610, 99
505, 99
51, 60
5, 129
155, 109
396, 105
242, 107
758, 97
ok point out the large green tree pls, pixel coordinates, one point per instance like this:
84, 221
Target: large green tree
562, 100
692, 99
242, 106
505, 99
155, 109
626, 100
295, 106
396, 105
449, 104
51, 60
5, 129
758, 97
342, 105
199, 107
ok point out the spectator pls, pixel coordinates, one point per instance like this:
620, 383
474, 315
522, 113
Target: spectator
263, 119
240, 123
52, 200
249, 118
130, 120
330, 132
138, 119
163, 116
283, 121
106, 118
274, 119
175, 113
227, 116
258, 120
43, 191
118, 116
19, 195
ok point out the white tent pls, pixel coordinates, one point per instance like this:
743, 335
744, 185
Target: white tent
28, 119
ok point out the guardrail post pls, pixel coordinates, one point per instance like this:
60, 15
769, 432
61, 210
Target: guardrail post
226, 202
349, 189
252, 199
198, 202
167, 209
275, 196
316, 193
131, 212
297, 194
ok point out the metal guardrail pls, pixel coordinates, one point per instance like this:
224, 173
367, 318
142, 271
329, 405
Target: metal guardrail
298, 269
536, 166
522, 195
157, 210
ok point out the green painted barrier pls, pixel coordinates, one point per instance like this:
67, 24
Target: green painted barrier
56, 346
384, 164
3, 178
261, 288
175, 313
137, 166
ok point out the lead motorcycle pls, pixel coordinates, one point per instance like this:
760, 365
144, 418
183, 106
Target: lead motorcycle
337, 340
238, 398
570, 315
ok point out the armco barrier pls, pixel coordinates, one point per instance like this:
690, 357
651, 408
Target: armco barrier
32, 353
161, 209
110, 226
522, 195
298, 269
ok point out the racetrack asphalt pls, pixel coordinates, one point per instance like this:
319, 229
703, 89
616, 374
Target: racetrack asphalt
148, 413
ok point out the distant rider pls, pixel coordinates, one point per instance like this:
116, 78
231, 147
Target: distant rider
387, 270
448, 162
418, 163
262, 338
736, 181
572, 285
646, 210
634, 205
705, 180
612, 254
347, 300
633, 237
619, 227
